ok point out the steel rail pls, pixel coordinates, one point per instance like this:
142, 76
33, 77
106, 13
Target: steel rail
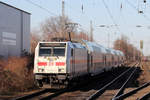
49, 97
121, 90
123, 96
32, 95
102, 90
145, 97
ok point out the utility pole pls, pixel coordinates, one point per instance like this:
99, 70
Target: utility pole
108, 40
63, 9
91, 31
63, 20
141, 47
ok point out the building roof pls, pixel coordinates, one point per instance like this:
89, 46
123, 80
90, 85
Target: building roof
14, 7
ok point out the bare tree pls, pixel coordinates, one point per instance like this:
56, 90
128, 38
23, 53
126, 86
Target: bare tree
131, 52
56, 27
35, 38
83, 35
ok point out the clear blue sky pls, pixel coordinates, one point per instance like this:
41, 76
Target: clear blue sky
126, 17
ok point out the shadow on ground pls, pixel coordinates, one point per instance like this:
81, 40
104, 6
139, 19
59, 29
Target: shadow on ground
102, 79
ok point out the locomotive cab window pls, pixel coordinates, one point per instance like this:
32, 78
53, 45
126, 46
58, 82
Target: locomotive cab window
44, 52
59, 52
52, 51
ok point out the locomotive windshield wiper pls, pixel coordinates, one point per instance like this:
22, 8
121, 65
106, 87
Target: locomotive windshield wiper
57, 57
52, 49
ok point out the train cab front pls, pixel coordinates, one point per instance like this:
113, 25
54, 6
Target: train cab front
50, 63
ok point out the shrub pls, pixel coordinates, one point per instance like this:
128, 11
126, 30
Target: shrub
16, 75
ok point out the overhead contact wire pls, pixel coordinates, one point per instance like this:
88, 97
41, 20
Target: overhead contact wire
114, 22
45, 9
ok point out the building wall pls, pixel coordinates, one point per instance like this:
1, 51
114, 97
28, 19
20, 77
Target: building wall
14, 31
26, 32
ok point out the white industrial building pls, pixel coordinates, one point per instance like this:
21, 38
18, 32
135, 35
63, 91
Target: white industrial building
14, 30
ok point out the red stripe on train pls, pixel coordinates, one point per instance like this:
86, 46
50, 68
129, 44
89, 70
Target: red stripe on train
42, 63
60, 63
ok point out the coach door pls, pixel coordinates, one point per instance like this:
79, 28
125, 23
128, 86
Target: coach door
88, 62
104, 60
91, 67
73, 61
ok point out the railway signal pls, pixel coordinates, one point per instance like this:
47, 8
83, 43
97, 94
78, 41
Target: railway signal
141, 47
141, 44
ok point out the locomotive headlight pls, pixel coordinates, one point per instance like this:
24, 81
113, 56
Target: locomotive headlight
40, 70
61, 70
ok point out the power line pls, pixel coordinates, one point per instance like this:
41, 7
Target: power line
114, 22
45, 9
147, 18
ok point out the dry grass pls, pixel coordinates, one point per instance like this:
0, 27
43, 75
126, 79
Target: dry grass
16, 75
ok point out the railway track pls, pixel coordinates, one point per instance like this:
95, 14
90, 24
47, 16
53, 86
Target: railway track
122, 87
140, 93
45, 94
